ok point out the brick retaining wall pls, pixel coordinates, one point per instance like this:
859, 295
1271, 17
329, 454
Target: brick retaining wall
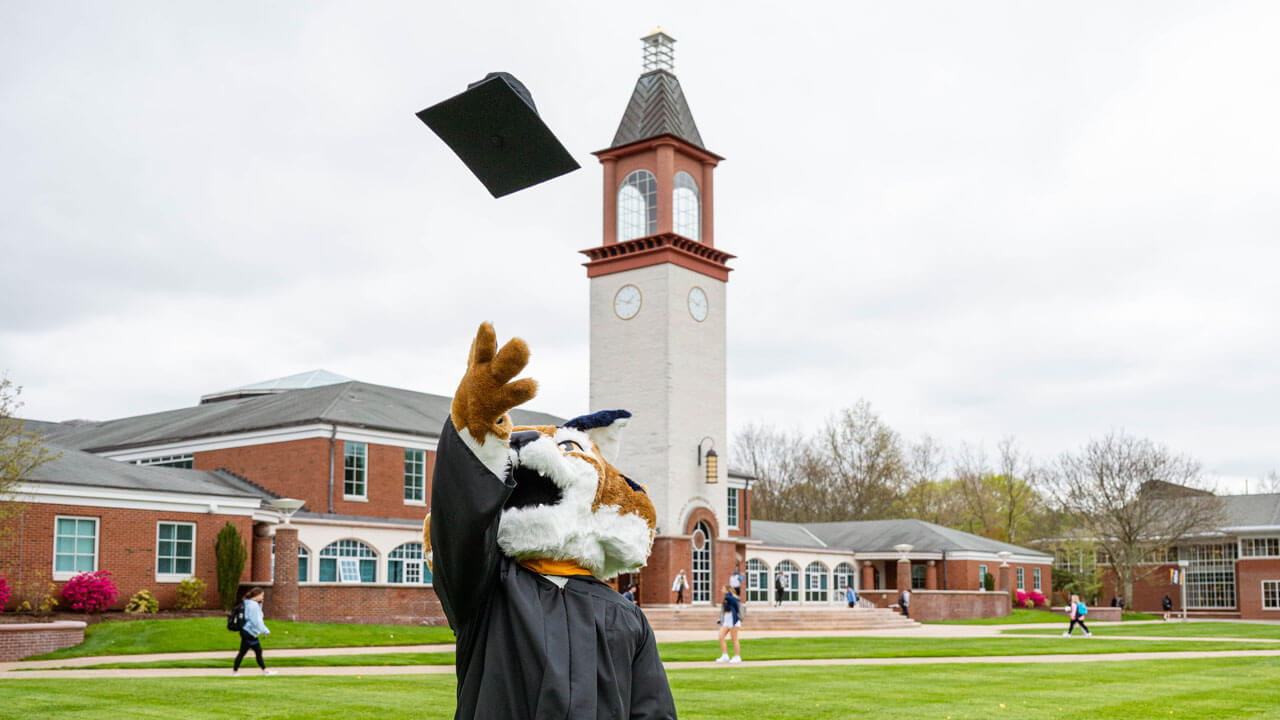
370, 604
20, 640
930, 605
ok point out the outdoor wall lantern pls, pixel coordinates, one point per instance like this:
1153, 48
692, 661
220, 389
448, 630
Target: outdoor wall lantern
713, 475
286, 507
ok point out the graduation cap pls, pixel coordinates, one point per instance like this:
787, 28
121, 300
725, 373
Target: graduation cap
495, 129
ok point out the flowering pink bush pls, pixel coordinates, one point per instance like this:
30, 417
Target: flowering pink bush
4, 593
90, 592
1037, 599
1020, 599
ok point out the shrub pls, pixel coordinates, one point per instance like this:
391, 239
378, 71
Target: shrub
4, 593
90, 592
142, 602
1037, 598
190, 594
1020, 598
989, 582
231, 554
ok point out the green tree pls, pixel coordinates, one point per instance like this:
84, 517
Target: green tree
231, 554
21, 452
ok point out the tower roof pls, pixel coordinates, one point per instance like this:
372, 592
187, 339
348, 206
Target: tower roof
657, 105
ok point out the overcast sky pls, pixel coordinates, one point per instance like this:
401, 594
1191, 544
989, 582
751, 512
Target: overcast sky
987, 219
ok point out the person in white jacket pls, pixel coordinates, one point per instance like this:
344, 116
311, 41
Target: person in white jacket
252, 632
678, 586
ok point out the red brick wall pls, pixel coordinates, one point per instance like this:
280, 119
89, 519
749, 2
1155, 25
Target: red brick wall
21, 640
930, 605
963, 575
1148, 593
1250, 572
669, 556
300, 469
126, 548
369, 604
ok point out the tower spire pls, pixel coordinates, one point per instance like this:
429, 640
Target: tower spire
659, 51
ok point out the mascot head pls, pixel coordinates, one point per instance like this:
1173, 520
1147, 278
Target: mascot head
570, 503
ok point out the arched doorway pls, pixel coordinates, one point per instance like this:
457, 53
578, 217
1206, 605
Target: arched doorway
701, 563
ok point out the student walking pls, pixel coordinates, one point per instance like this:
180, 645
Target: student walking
779, 587
678, 586
904, 600
730, 621
850, 596
1077, 610
1167, 606
735, 581
252, 631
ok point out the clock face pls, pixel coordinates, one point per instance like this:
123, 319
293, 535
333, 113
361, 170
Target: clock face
626, 303
698, 304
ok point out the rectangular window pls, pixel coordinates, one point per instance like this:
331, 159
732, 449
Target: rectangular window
348, 570
175, 550
1035, 578
75, 546
1271, 594
1022, 579
919, 577
415, 475
1260, 547
1211, 576
982, 576
175, 461
354, 466
304, 559
732, 509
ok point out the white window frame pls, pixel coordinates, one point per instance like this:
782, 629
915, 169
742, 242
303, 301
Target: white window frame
363, 496
303, 551
1276, 592
982, 577
1254, 542
822, 592
731, 507
1022, 579
1036, 579
97, 532
175, 577
349, 570
422, 478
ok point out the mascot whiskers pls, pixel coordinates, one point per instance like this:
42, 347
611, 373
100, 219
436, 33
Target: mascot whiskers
525, 524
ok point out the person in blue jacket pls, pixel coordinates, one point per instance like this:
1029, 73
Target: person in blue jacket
730, 621
252, 632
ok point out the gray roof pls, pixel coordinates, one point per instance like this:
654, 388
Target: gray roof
657, 107
73, 467
309, 379
1252, 510
879, 536
351, 404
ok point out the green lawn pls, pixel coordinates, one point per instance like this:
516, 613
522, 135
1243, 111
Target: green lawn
1211, 688
200, 634
1175, 630
779, 649
1018, 616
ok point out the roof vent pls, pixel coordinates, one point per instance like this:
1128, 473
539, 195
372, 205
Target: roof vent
659, 51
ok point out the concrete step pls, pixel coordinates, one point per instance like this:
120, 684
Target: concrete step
764, 617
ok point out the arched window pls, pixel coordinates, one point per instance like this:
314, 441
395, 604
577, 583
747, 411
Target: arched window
686, 205
701, 563
348, 561
757, 581
405, 564
790, 581
844, 577
637, 206
304, 561
815, 582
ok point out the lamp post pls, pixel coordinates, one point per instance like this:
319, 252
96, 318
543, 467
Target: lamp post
1183, 565
286, 507
713, 470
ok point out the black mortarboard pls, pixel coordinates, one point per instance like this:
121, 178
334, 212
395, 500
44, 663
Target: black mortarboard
495, 129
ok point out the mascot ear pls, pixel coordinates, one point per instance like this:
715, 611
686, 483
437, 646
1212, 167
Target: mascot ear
605, 430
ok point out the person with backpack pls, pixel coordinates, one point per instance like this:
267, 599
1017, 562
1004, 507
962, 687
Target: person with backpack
1167, 606
851, 596
246, 618
1077, 610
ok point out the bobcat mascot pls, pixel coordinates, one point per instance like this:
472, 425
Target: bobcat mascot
525, 523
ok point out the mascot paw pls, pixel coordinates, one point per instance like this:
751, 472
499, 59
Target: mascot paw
487, 392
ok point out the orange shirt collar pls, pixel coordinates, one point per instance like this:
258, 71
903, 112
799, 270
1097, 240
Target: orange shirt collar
547, 566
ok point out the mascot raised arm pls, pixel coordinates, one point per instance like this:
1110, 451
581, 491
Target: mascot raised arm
525, 524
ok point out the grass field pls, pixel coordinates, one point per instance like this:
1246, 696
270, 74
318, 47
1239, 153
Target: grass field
1211, 688
1026, 615
200, 634
1174, 630
775, 649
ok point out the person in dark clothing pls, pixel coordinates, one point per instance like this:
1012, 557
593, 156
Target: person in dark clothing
252, 632
539, 635
730, 621
779, 587
1167, 605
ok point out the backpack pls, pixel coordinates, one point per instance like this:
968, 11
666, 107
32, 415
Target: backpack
235, 618
1082, 609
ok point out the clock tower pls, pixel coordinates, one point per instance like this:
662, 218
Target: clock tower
658, 327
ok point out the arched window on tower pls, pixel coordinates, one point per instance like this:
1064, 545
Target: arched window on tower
637, 206
686, 204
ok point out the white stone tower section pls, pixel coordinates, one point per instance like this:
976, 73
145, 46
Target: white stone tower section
659, 302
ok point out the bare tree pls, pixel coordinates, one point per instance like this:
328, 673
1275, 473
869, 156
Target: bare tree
865, 467
782, 466
1135, 499
21, 452
1271, 483
1014, 484
927, 496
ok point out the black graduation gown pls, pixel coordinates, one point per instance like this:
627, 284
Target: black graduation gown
527, 648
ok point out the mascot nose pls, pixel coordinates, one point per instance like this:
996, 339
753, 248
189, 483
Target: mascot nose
522, 438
